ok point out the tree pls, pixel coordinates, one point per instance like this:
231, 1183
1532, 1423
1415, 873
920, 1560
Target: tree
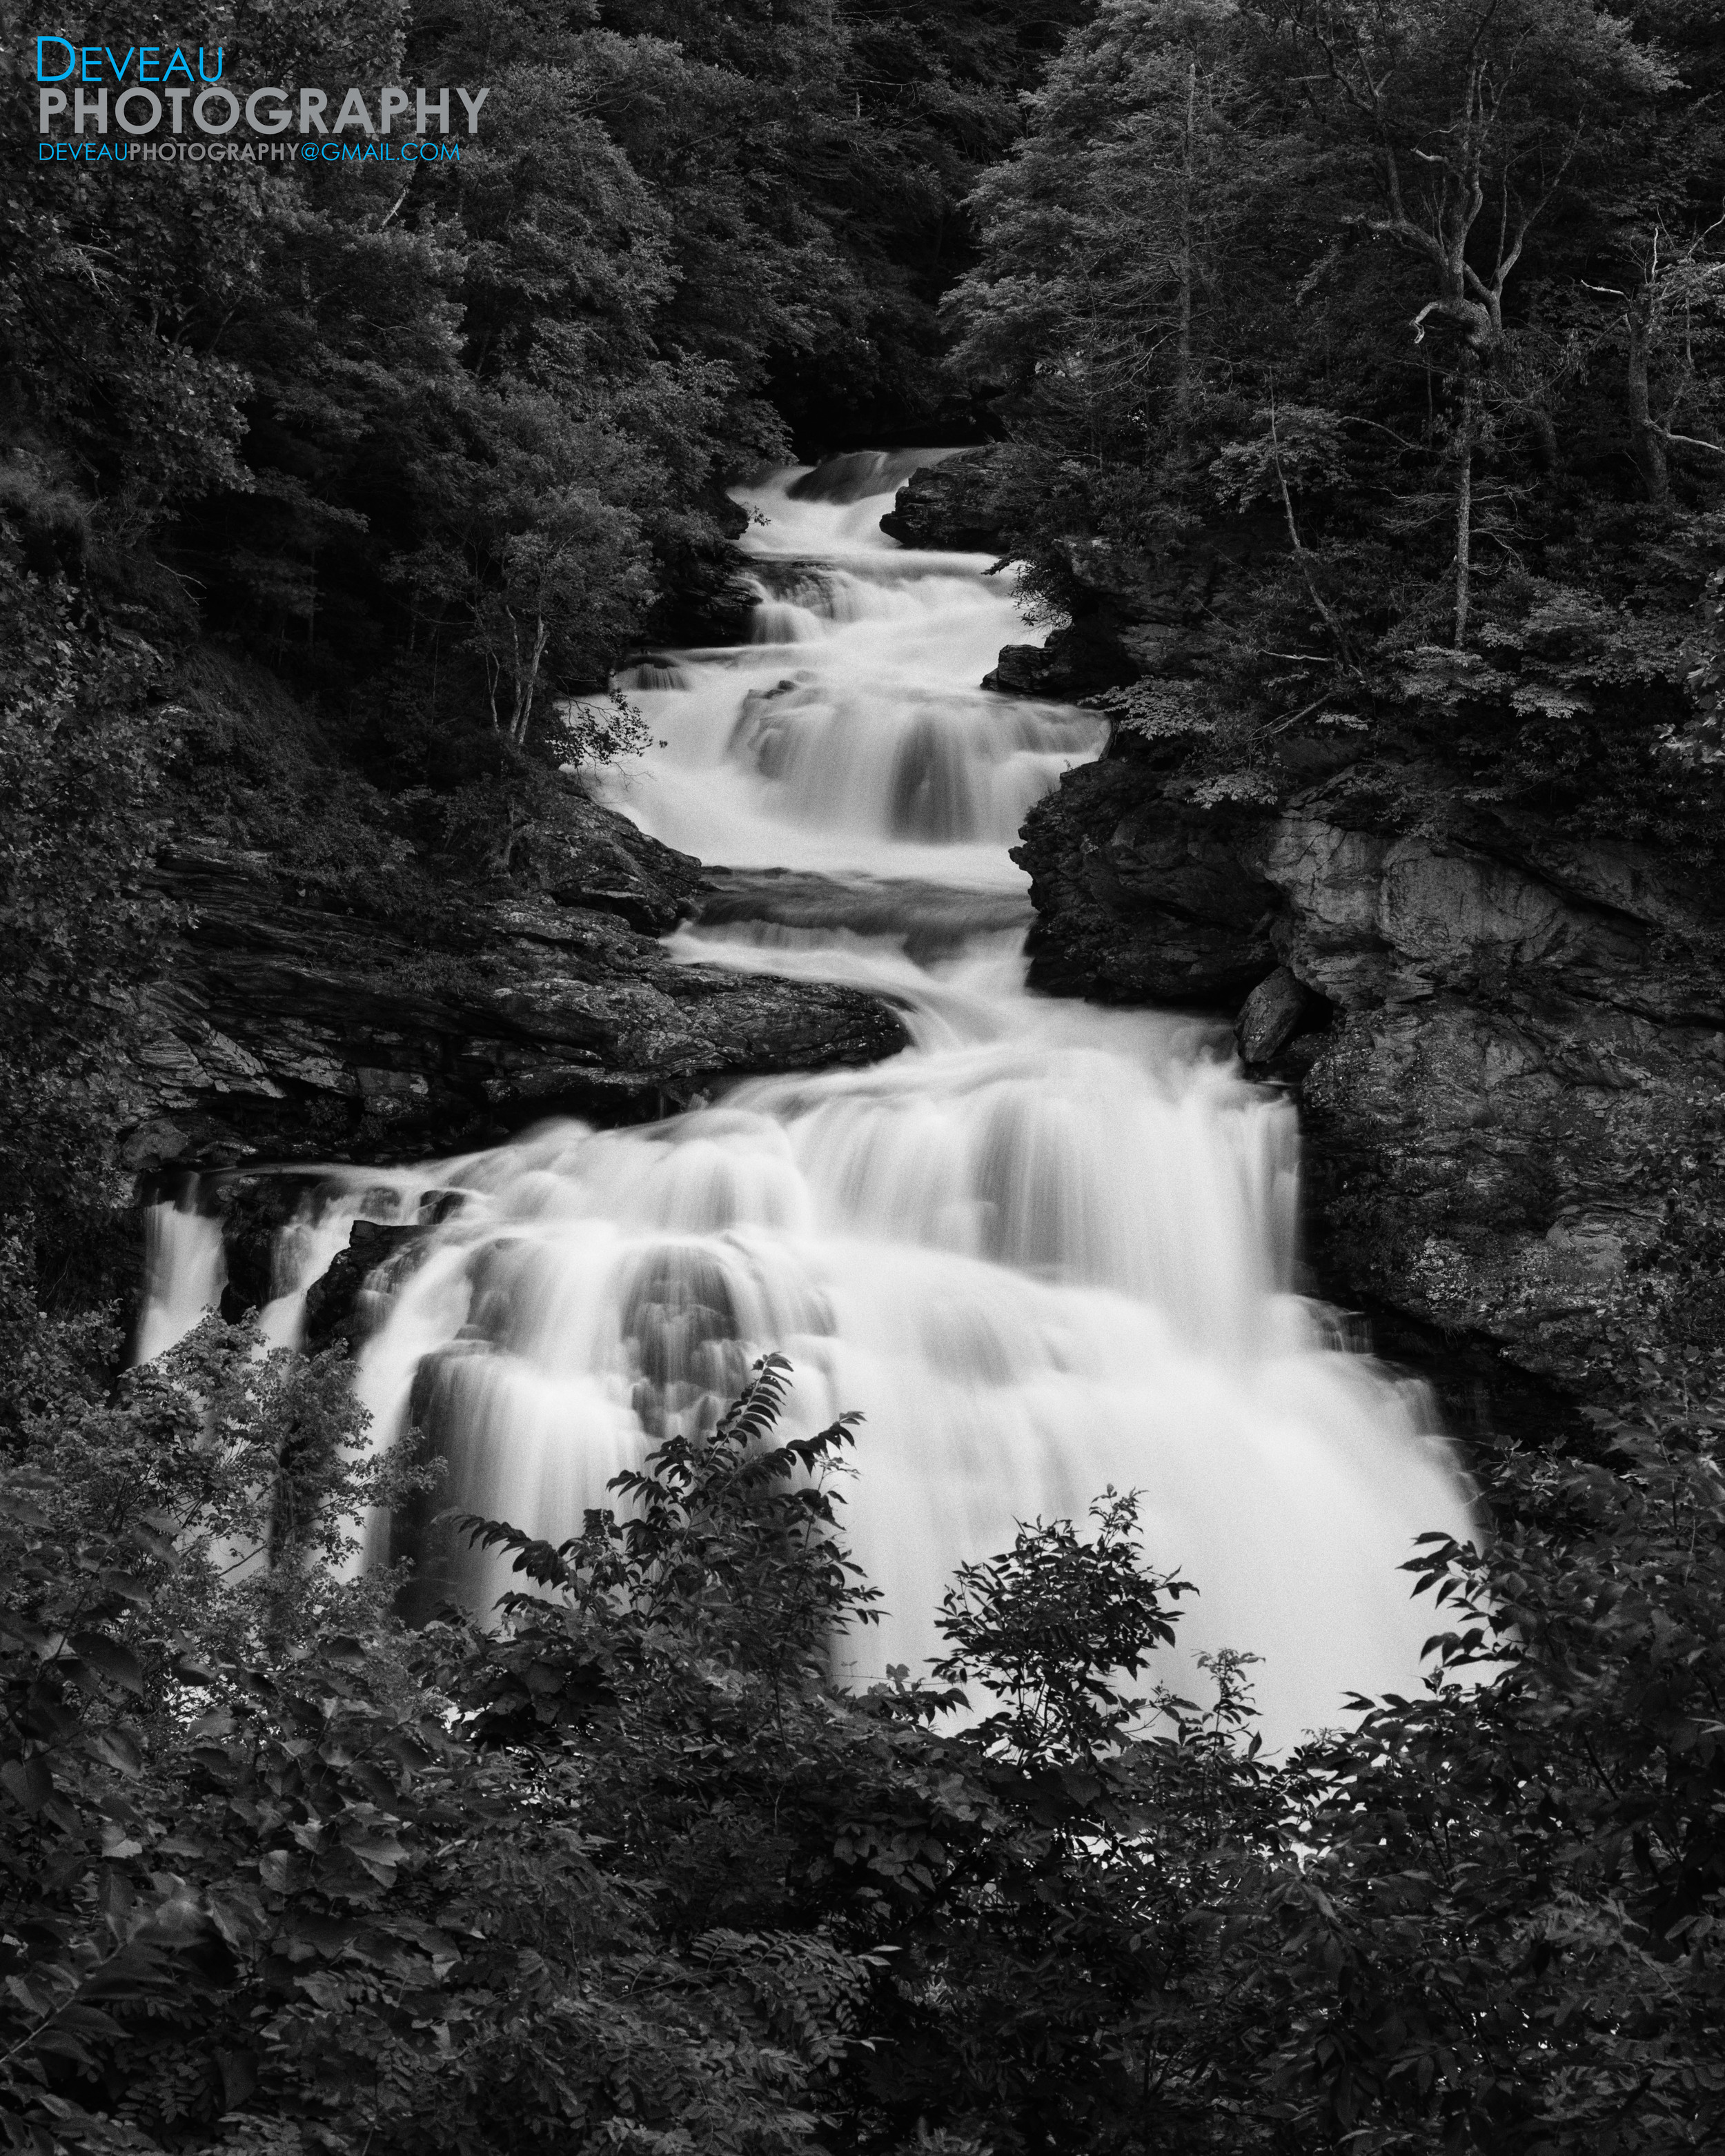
1507, 1937
80, 925
1052, 1625
546, 572
258, 1889
279, 1872
1117, 263
1005, 1920
1468, 115
1669, 316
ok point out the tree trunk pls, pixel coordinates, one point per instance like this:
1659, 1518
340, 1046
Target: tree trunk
1300, 554
1182, 380
1466, 437
1645, 445
526, 680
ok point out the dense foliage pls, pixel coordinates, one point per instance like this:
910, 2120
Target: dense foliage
327, 503
428, 444
631, 1872
1417, 312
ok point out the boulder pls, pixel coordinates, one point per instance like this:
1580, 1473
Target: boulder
1139, 898
337, 1303
945, 506
1270, 1016
1080, 660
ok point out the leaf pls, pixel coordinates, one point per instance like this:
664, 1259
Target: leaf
239, 1915
116, 1747
19, 1632
240, 2077
118, 1903
60, 2043
89, 2021
275, 1868
117, 1663
157, 1537
30, 1781
188, 1671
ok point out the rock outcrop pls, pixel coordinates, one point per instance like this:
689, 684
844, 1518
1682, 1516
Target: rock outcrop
1270, 1016
1506, 1027
1509, 1044
286, 1028
1128, 615
1131, 616
945, 506
341, 1303
1510, 1047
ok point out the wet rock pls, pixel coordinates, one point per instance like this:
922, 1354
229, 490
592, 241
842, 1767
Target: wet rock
613, 868
1020, 670
339, 1304
1270, 1017
1522, 1076
933, 921
947, 506
285, 1029
1082, 660
152, 1145
253, 1211
855, 474
1140, 900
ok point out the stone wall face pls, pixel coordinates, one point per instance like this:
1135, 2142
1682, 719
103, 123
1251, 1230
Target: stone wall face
1509, 1051
290, 1030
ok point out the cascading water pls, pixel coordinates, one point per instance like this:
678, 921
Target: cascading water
185, 1271
1047, 1249
849, 735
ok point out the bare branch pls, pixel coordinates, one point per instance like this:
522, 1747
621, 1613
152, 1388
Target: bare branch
1692, 442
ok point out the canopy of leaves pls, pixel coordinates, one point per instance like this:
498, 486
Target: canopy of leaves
1410, 315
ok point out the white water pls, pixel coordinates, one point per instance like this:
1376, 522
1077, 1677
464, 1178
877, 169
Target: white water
1047, 1249
849, 735
185, 1271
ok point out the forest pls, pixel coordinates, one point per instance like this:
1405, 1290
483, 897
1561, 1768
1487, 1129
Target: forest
1395, 331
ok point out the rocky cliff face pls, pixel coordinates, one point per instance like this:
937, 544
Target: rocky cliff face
1509, 1049
285, 1029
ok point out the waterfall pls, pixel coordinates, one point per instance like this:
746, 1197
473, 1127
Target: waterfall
849, 734
185, 1264
185, 1270
1047, 1249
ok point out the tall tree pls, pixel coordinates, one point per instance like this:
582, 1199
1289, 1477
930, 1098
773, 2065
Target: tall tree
1468, 115
1117, 267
